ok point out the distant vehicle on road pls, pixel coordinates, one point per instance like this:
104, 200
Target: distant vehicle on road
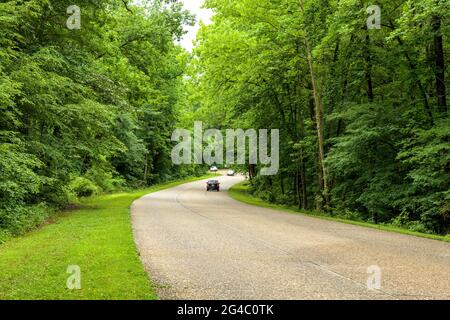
213, 185
213, 169
230, 173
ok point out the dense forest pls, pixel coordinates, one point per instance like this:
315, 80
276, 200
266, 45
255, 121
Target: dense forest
362, 112
88, 109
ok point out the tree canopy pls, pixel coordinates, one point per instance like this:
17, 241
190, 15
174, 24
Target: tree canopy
362, 111
85, 110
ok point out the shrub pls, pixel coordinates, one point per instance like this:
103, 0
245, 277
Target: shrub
20, 219
104, 180
82, 187
4, 235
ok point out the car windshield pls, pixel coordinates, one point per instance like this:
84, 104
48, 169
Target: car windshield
213, 181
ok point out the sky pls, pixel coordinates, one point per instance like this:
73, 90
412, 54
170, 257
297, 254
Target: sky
194, 6
204, 15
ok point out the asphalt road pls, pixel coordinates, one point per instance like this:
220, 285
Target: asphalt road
204, 245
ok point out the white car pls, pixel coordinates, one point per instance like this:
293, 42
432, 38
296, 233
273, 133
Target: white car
213, 169
230, 173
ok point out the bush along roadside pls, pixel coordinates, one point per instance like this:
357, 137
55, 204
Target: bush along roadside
19, 215
94, 243
242, 192
79, 113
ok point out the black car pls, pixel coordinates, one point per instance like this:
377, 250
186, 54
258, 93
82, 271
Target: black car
213, 185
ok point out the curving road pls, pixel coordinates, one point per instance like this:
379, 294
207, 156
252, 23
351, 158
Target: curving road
199, 245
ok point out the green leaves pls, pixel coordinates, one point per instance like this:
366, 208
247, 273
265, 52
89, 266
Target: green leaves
84, 111
385, 143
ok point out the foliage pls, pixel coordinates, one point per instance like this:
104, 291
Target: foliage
363, 113
277, 64
97, 237
242, 192
84, 111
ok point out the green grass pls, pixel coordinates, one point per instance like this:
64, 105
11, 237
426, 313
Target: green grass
97, 238
240, 192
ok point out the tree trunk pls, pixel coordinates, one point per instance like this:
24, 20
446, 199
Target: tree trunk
413, 67
302, 169
322, 203
319, 119
146, 169
440, 64
304, 196
368, 59
251, 171
297, 188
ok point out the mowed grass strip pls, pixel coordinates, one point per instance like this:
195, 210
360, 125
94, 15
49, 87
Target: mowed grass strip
98, 238
240, 192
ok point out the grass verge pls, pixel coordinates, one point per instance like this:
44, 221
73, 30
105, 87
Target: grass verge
240, 193
98, 238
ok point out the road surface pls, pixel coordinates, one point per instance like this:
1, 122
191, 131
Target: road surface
204, 245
